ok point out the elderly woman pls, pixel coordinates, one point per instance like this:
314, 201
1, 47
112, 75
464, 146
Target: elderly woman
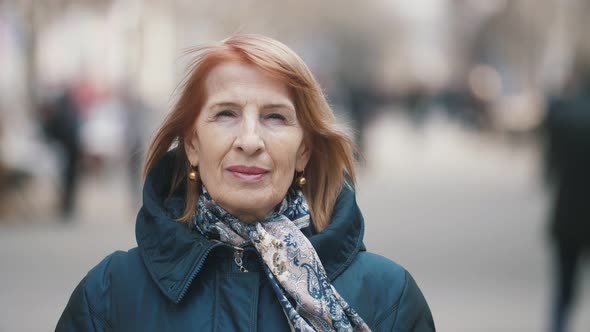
249, 220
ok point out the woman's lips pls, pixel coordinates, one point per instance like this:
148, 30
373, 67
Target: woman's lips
247, 173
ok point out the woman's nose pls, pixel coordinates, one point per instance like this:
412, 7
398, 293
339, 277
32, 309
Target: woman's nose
249, 139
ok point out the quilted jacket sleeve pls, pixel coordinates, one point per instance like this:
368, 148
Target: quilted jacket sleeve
411, 313
87, 308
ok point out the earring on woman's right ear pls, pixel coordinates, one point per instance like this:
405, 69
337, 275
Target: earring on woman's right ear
193, 174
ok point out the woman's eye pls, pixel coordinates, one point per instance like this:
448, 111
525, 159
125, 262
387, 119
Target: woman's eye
225, 113
276, 116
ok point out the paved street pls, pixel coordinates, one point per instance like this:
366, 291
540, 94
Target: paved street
464, 214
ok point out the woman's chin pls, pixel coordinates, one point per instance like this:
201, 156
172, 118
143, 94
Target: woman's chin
248, 201
248, 209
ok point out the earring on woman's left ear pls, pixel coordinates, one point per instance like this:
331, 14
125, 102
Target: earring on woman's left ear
193, 174
301, 180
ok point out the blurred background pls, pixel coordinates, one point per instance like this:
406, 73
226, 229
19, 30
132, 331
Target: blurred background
473, 118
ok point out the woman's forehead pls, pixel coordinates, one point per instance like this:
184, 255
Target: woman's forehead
233, 82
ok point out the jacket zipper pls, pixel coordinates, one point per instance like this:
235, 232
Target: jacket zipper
238, 255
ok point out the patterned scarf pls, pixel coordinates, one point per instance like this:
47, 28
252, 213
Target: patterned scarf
292, 265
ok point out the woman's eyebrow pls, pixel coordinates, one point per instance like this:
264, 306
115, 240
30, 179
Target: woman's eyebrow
265, 107
279, 106
225, 104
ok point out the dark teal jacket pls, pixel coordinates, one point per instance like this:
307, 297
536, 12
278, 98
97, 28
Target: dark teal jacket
177, 280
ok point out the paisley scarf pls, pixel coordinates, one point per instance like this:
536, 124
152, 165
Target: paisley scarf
291, 264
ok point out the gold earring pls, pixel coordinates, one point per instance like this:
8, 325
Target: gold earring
301, 180
193, 174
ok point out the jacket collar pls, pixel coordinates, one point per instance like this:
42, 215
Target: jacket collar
173, 254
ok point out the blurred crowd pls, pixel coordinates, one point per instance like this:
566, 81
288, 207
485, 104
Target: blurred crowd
91, 78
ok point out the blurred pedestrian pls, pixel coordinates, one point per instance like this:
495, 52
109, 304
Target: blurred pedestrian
136, 113
60, 119
568, 170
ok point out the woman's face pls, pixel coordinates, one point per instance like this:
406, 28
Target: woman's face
247, 140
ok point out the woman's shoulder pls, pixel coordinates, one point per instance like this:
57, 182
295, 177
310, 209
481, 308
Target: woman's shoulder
89, 305
377, 264
115, 266
118, 260
114, 275
376, 272
385, 293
